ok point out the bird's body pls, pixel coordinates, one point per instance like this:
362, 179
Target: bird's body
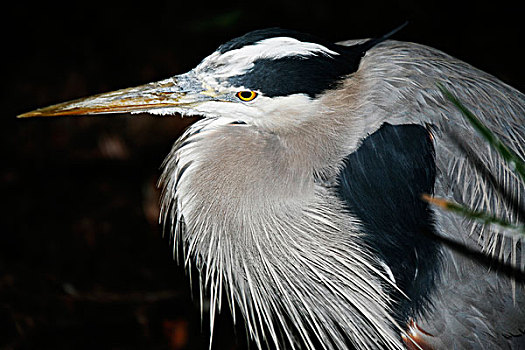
298, 196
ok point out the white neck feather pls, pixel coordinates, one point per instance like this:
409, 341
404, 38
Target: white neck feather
263, 232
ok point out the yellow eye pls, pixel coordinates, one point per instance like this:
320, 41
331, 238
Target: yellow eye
246, 95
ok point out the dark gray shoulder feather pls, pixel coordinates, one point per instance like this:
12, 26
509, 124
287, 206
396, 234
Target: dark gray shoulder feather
382, 183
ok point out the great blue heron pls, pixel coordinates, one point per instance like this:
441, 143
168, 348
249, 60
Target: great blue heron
298, 195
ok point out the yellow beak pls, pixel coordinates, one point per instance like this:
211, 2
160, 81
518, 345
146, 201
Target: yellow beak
157, 97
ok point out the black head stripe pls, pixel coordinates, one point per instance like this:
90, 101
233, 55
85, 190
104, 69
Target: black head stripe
294, 74
311, 75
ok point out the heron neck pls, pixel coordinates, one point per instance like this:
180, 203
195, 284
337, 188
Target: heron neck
257, 224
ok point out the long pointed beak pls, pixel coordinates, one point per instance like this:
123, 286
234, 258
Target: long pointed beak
152, 97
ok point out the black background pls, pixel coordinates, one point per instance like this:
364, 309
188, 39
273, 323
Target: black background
82, 260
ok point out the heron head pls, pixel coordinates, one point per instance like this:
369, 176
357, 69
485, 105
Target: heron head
265, 77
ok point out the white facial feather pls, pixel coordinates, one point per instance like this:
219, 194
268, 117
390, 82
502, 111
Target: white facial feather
239, 61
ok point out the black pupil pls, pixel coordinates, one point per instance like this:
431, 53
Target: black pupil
246, 94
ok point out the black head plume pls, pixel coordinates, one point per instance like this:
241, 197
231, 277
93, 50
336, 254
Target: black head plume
373, 42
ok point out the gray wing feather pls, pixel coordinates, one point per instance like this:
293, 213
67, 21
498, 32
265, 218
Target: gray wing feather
404, 78
474, 307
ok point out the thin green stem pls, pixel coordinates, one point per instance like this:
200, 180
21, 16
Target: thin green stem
482, 217
514, 161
